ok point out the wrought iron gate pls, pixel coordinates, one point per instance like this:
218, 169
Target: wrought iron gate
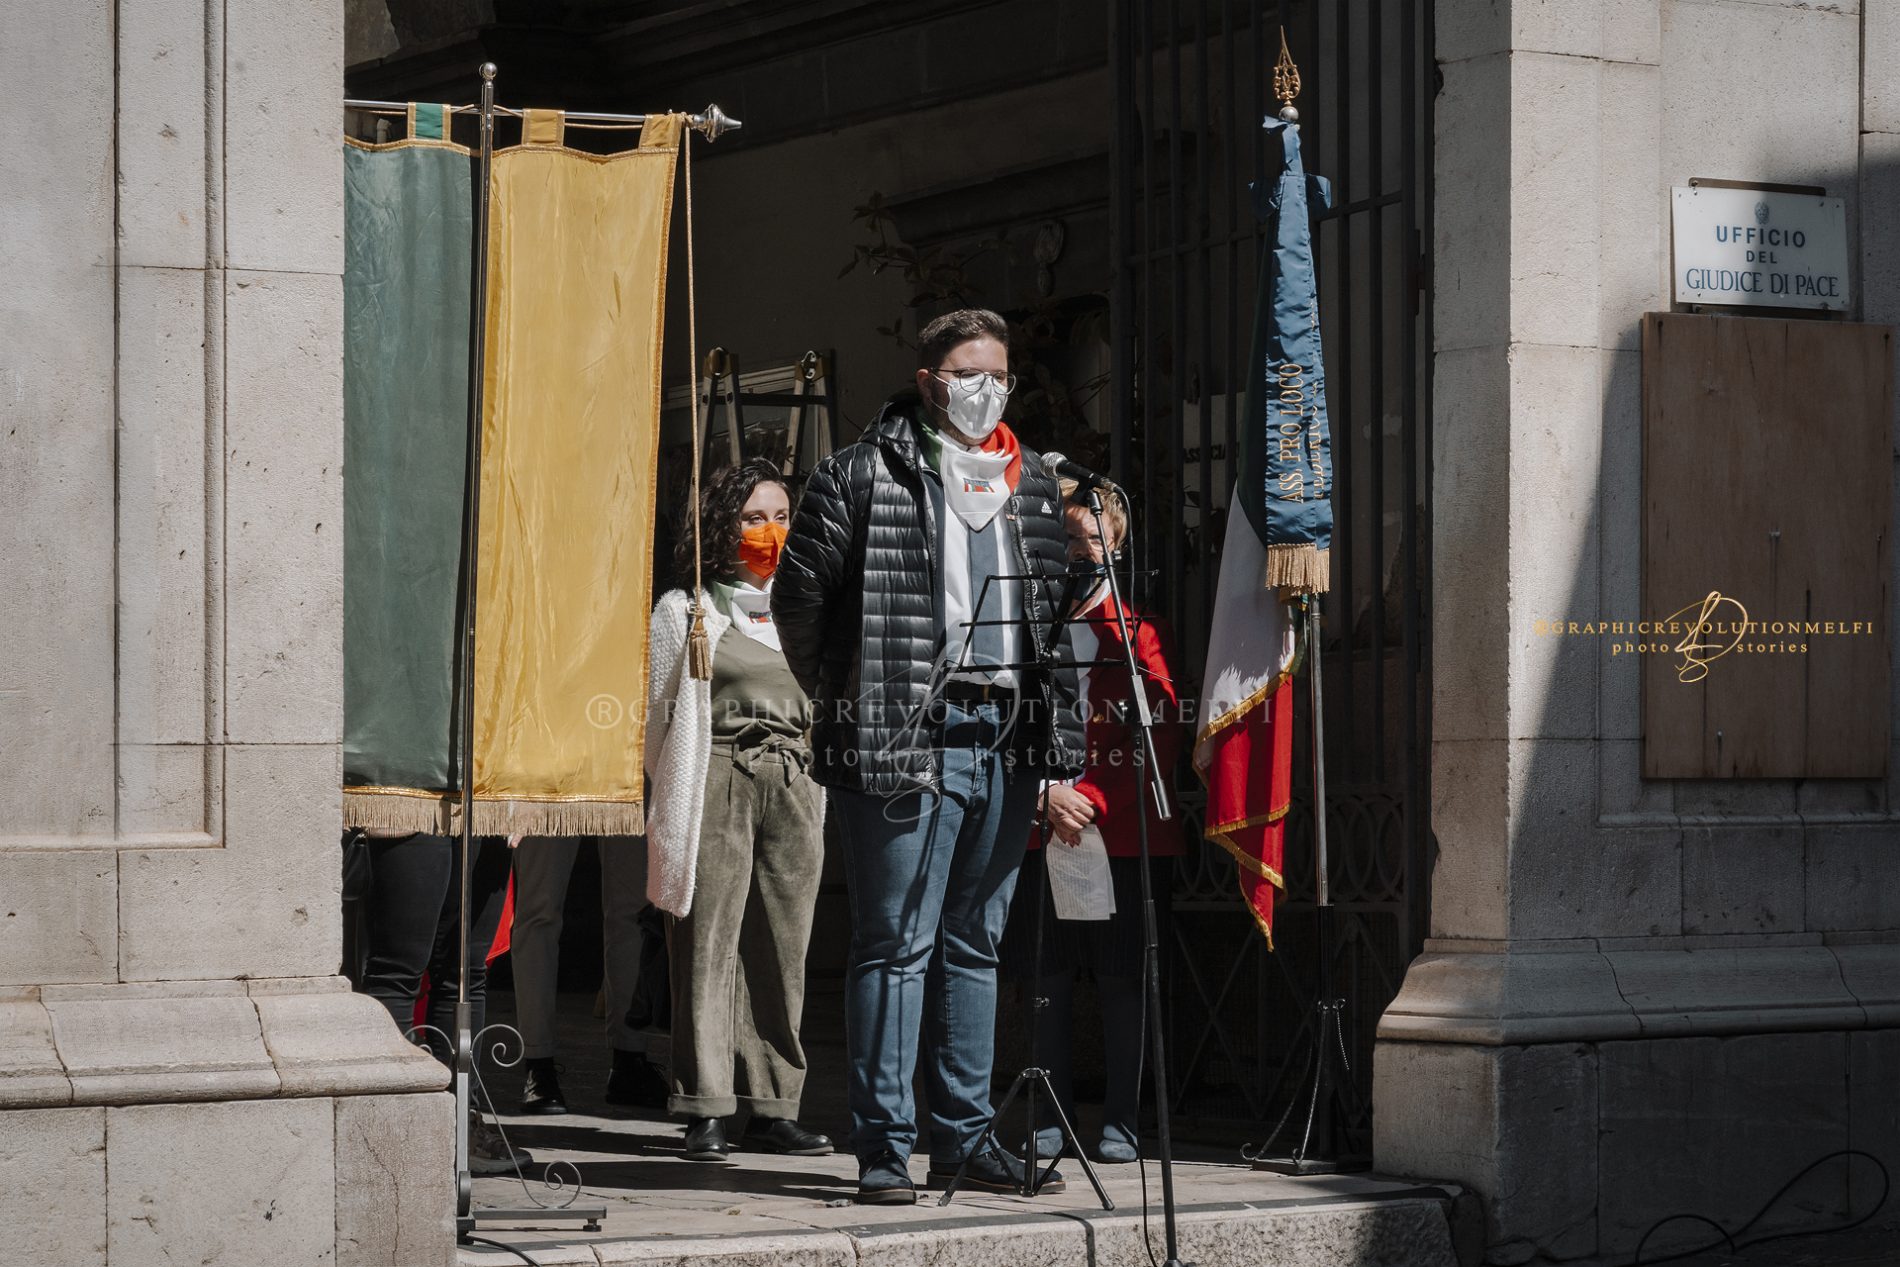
1192, 82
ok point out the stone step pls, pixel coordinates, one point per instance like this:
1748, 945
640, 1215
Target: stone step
797, 1212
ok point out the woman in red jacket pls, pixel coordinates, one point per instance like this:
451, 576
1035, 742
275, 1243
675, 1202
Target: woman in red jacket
1106, 797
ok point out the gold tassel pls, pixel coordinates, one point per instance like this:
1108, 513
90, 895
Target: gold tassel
699, 648
1297, 569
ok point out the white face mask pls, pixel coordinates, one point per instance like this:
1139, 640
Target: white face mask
975, 413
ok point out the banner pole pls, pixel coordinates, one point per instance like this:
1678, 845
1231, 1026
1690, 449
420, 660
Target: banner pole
465, 745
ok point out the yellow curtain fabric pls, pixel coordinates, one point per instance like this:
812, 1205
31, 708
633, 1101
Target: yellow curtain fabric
577, 285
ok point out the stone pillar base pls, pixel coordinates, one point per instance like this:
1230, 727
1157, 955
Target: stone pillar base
221, 1123
1588, 1094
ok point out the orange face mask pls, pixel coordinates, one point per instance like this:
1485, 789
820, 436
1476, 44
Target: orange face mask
759, 547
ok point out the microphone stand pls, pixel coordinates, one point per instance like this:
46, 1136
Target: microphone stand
1146, 760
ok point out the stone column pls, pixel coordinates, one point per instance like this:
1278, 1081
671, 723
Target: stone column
1640, 997
183, 1075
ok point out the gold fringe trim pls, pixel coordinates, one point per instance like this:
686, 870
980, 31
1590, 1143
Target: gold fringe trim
1298, 569
1240, 710
1258, 820
1259, 868
1266, 930
1248, 861
559, 818
402, 811
432, 812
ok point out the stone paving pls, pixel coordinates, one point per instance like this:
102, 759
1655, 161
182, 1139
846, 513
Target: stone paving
763, 1209
758, 1208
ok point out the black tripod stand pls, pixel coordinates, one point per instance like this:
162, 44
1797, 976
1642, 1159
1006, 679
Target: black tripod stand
1335, 1090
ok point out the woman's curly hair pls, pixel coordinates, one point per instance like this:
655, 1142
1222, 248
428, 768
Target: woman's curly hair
721, 497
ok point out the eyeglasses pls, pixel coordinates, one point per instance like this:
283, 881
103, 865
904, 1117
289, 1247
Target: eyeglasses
970, 381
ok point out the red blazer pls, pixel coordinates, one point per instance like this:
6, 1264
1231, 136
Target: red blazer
1109, 781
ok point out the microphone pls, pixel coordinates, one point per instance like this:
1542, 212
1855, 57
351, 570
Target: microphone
1085, 479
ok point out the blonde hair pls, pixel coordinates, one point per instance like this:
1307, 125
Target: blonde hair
1114, 512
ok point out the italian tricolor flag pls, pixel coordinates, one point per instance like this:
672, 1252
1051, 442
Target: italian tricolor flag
1279, 534
1244, 751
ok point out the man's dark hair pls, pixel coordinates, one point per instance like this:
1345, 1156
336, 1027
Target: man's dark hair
952, 328
721, 497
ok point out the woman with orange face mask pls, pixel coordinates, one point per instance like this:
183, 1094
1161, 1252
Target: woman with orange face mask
734, 828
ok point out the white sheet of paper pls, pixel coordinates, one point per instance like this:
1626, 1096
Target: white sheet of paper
1079, 879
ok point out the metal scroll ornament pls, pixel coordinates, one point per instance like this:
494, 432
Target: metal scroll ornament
557, 1177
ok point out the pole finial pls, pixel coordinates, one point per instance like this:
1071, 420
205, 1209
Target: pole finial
713, 123
1286, 81
490, 70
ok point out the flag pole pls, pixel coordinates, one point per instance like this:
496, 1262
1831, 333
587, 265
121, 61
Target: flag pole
711, 123
467, 1217
465, 745
1322, 879
1329, 1010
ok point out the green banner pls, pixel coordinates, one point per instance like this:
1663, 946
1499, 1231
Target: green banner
408, 247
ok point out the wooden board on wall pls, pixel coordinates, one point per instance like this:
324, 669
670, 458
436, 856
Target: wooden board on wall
1767, 478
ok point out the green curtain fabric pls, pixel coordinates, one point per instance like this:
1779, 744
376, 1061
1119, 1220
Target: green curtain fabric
408, 243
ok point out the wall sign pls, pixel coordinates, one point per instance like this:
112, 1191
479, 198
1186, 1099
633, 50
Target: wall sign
1760, 248
1762, 636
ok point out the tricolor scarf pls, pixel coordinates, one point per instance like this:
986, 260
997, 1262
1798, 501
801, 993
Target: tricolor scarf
1001, 440
750, 611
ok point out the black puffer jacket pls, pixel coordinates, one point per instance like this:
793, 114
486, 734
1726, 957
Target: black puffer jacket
858, 603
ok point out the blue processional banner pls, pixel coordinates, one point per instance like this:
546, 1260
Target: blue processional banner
1285, 476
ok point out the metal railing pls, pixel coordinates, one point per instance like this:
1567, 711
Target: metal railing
1192, 83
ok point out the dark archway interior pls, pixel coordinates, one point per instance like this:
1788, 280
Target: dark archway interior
1065, 162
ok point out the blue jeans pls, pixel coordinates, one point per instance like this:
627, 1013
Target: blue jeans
930, 876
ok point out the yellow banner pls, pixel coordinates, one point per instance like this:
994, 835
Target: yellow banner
577, 286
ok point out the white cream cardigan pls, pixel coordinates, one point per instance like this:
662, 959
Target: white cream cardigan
678, 750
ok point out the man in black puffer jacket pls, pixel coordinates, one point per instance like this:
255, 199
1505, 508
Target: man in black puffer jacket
941, 701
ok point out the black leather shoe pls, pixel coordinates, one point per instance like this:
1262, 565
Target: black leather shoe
885, 1180
706, 1140
782, 1135
635, 1083
541, 1089
994, 1170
